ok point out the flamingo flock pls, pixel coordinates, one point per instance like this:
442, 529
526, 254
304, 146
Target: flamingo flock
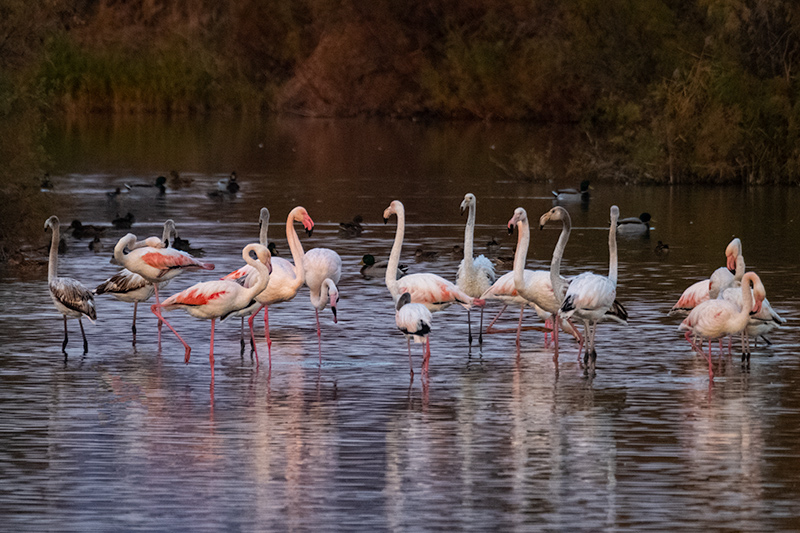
731, 302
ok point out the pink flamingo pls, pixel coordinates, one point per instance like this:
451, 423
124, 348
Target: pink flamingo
323, 269
414, 320
156, 265
434, 292
475, 274
127, 286
219, 298
710, 288
70, 296
590, 296
286, 278
718, 318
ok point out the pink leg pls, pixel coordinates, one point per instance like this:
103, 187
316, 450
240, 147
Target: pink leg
155, 309
253, 338
710, 364
319, 337
548, 324
519, 326
211, 353
266, 329
489, 327
426, 347
158, 302
554, 335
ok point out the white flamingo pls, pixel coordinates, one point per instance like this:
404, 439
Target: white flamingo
720, 279
590, 296
70, 296
718, 318
286, 278
475, 275
219, 298
127, 286
434, 292
414, 320
323, 269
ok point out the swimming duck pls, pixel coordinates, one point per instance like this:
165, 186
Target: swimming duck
351, 229
123, 222
377, 269
634, 226
425, 255
79, 231
573, 195
160, 183
662, 249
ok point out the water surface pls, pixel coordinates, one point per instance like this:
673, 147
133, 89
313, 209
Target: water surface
131, 438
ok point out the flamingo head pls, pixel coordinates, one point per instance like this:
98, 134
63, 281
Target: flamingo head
732, 253
301, 215
170, 232
263, 217
394, 208
557, 213
520, 215
333, 298
469, 199
402, 300
51, 222
759, 295
614, 215
155, 242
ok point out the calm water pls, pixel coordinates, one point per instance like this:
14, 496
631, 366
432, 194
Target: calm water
128, 438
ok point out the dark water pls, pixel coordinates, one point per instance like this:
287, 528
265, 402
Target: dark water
128, 438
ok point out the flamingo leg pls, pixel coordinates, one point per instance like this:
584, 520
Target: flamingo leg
469, 327
266, 329
155, 309
519, 326
556, 326
426, 355
83, 333
547, 323
410, 363
158, 302
252, 337
319, 337
66, 337
211, 353
489, 327
480, 329
710, 364
241, 337
133, 326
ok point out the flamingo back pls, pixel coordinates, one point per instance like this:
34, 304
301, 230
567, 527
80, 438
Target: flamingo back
434, 292
72, 298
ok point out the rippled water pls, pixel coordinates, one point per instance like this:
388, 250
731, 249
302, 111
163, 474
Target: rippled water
134, 439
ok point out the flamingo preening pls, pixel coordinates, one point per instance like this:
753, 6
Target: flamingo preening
286, 278
323, 269
720, 279
70, 296
590, 296
718, 318
219, 298
434, 292
128, 286
155, 264
414, 320
475, 275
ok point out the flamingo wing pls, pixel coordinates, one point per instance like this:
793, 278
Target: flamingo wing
432, 291
122, 282
73, 295
167, 259
692, 297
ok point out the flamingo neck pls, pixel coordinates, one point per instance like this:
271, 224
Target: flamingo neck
262, 235
523, 241
297, 251
394, 257
129, 241
740, 268
52, 265
469, 236
261, 268
558, 284
740, 321
612, 251
320, 299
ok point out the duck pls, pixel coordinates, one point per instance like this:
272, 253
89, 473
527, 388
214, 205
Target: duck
96, 245
377, 269
573, 195
228, 186
425, 255
184, 245
351, 229
634, 226
661, 249
46, 184
160, 183
123, 222
457, 252
79, 231
176, 181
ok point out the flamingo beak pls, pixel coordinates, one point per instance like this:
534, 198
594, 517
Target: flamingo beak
731, 263
756, 308
510, 228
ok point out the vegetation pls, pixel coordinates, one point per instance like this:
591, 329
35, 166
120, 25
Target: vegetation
666, 91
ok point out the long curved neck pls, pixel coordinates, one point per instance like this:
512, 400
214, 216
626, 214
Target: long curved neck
263, 273
612, 252
297, 251
321, 299
469, 235
119, 250
741, 320
740, 268
557, 283
52, 266
394, 257
523, 241
262, 235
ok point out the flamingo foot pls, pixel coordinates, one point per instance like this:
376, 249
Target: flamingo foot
186, 355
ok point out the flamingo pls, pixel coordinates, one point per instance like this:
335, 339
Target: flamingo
720, 279
714, 319
633, 226
70, 296
219, 298
760, 323
414, 320
475, 275
153, 263
286, 278
323, 269
434, 292
590, 296
127, 286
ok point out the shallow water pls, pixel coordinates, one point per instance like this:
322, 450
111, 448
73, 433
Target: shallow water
131, 438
